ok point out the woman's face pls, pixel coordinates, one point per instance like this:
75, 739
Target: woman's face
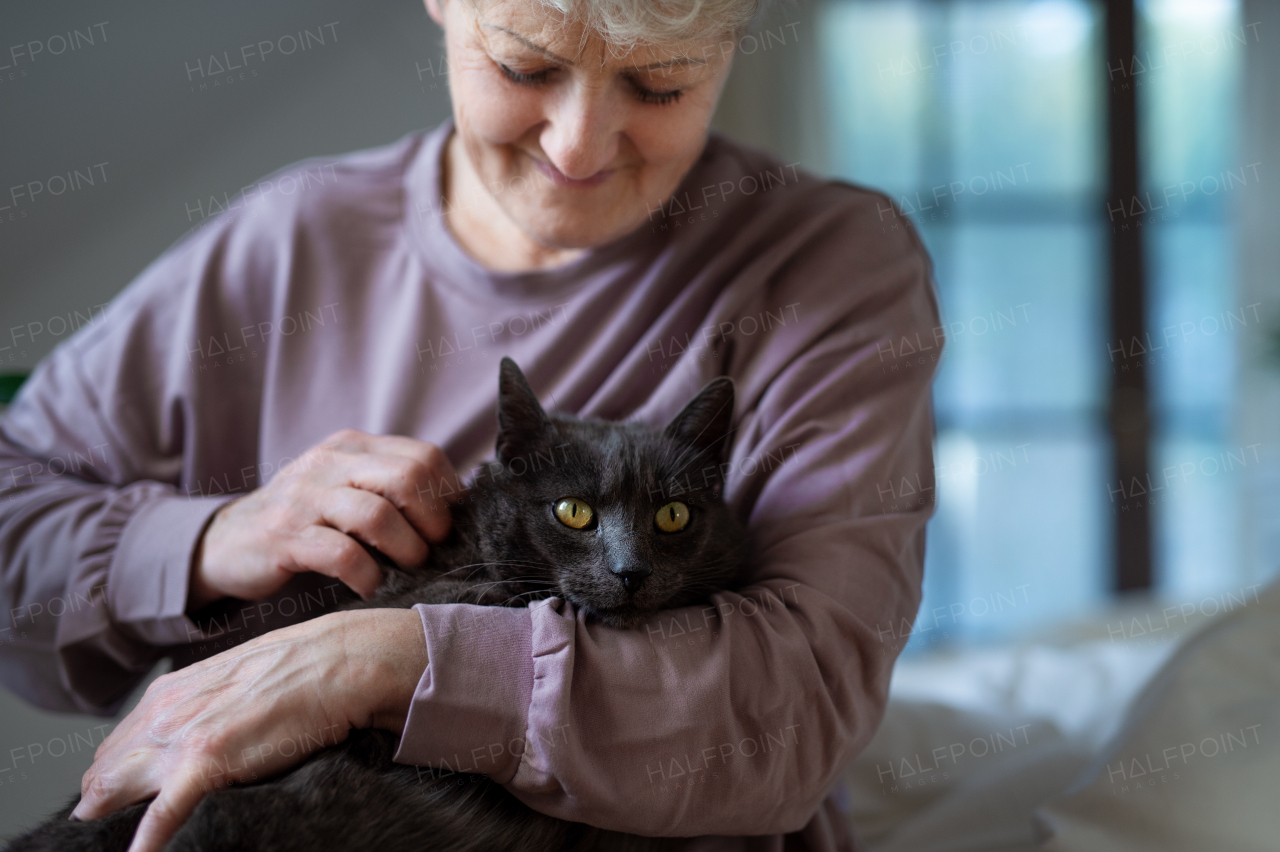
575, 141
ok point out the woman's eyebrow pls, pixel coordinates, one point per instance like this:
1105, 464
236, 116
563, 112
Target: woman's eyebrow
672, 63
652, 66
529, 44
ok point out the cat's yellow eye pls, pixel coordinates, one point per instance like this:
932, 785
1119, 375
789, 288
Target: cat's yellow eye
573, 512
672, 517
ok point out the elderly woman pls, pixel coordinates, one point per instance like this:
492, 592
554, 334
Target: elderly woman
310, 371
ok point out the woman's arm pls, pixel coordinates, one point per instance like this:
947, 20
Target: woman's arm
95, 531
253, 711
71, 641
734, 718
109, 454
129, 437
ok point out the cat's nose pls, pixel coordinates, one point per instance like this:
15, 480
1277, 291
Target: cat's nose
632, 576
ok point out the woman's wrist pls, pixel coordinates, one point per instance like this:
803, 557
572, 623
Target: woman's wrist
386, 656
200, 592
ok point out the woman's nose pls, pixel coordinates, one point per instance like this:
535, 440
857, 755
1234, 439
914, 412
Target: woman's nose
581, 136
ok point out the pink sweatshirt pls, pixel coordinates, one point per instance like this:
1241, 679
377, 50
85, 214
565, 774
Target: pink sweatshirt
336, 297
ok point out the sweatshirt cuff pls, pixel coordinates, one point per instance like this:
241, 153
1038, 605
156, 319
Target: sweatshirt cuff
150, 570
470, 709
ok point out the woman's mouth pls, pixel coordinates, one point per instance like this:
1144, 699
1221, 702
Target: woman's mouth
559, 178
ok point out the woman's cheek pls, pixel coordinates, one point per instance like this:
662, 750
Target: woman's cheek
497, 111
665, 142
674, 135
668, 148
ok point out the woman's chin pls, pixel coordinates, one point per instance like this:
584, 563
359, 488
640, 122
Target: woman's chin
576, 231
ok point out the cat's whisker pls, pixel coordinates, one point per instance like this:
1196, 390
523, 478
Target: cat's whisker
522, 594
478, 566
524, 562
513, 580
541, 580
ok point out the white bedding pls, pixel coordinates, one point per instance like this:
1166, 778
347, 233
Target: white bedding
973, 743
1196, 763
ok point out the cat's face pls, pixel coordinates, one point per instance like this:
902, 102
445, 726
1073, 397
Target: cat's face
622, 519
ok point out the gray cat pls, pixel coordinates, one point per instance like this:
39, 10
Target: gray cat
618, 518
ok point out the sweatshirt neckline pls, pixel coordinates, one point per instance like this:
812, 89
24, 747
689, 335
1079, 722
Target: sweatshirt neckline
440, 251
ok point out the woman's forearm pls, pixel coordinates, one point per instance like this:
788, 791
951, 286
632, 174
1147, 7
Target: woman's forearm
254, 711
93, 573
733, 718
386, 654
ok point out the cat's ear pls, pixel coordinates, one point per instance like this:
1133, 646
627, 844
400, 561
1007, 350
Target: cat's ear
521, 420
704, 423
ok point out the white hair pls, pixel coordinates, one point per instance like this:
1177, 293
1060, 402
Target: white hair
630, 22
627, 23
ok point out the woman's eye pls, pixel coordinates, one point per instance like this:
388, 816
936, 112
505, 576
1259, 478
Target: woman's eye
537, 78
672, 517
573, 512
649, 96
534, 79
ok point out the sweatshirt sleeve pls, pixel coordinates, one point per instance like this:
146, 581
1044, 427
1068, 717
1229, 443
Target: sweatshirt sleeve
98, 456
735, 717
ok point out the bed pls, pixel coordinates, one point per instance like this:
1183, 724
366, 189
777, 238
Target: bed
1132, 738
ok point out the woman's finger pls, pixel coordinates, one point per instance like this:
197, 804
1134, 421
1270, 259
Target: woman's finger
326, 551
255, 710
411, 485
112, 784
254, 544
429, 455
414, 475
178, 798
375, 521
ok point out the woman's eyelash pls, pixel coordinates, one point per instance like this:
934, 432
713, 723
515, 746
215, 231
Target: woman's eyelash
649, 96
516, 77
537, 78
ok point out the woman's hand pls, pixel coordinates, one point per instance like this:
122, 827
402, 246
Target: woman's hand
253, 711
382, 490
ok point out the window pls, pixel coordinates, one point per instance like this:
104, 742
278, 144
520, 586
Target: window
986, 122
1187, 86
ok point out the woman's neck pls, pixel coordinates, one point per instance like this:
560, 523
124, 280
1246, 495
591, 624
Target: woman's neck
482, 227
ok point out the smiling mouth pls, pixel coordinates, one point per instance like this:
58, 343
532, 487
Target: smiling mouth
559, 178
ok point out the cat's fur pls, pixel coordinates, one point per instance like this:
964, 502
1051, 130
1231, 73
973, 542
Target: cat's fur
505, 549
